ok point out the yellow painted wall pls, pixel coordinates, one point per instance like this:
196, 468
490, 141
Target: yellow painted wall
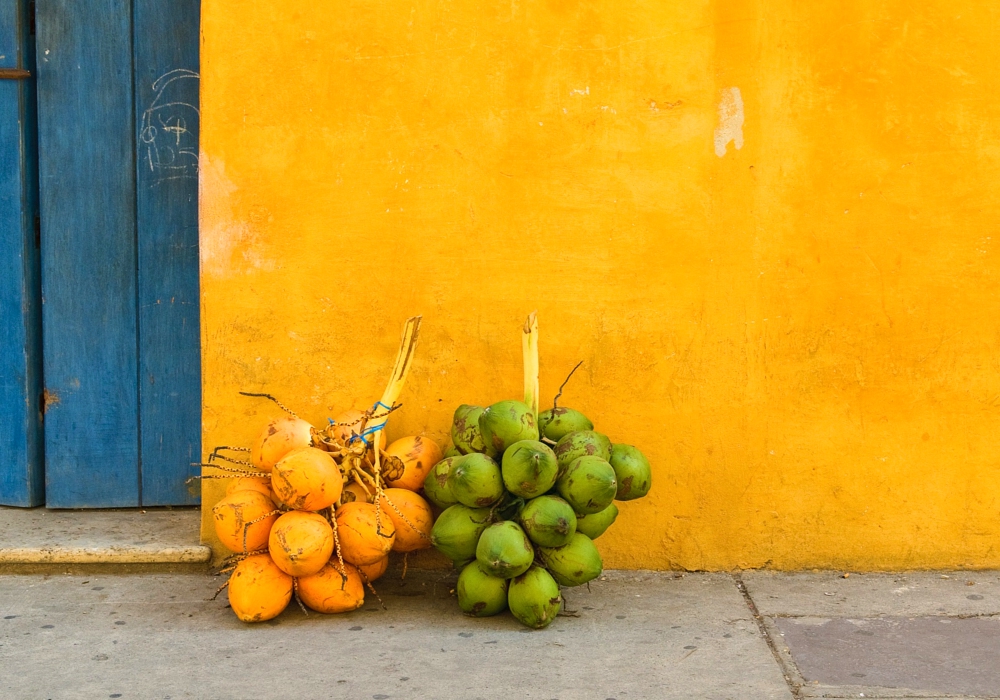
801, 333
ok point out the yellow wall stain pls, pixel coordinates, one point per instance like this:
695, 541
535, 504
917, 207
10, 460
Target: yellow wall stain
799, 332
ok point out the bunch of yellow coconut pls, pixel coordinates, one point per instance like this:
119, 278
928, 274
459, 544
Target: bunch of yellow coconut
313, 513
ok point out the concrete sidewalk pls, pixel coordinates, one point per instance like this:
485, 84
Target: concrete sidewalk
632, 635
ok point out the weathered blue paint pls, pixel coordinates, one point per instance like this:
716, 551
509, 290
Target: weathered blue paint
167, 118
22, 481
86, 144
118, 97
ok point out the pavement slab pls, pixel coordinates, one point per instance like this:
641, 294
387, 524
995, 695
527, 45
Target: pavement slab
914, 635
829, 594
917, 654
633, 635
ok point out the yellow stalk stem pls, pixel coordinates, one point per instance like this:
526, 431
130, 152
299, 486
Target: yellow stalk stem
529, 346
399, 371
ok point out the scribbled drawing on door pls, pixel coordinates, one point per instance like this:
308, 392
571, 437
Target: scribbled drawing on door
170, 127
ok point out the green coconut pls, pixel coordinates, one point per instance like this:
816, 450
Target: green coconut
574, 563
529, 468
480, 594
504, 550
588, 484
632, 471
534, 598
452, 451
594, 525
557, 422
436, 484
582, 443
505, 423
475, 480
456, 531
465, 431
549, 521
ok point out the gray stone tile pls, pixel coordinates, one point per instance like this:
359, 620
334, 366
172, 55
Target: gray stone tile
827, 594
898, 656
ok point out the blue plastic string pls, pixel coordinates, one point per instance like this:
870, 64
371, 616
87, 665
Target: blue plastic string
366, 432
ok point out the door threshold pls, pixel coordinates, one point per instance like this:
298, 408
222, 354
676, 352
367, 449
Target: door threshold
40, 540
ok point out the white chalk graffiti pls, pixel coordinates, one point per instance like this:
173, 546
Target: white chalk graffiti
169, 131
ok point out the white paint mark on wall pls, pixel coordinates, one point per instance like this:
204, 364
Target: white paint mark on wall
585, 91
227, 245
730, 126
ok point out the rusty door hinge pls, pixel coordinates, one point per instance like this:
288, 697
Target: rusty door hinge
14, 74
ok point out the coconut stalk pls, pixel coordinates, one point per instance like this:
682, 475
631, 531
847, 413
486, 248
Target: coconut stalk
529, 347
400, 369
393, 389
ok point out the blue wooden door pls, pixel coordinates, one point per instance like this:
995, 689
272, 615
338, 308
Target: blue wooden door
21, 476
118, 167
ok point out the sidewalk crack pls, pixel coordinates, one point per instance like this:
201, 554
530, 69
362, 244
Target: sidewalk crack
786, 673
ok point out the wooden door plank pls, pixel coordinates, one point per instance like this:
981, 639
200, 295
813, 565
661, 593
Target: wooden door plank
22, 479
87, 191
166, 105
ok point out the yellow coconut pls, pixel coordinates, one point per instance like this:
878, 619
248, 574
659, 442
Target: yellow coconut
261, 484
417, 456
235, 512
417, 511
277, 439
355, 492
375, 571
365, 535
331, 591
301, 543
307, 479
258, 589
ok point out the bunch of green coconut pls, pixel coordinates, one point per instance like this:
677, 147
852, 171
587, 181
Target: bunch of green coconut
524, 495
